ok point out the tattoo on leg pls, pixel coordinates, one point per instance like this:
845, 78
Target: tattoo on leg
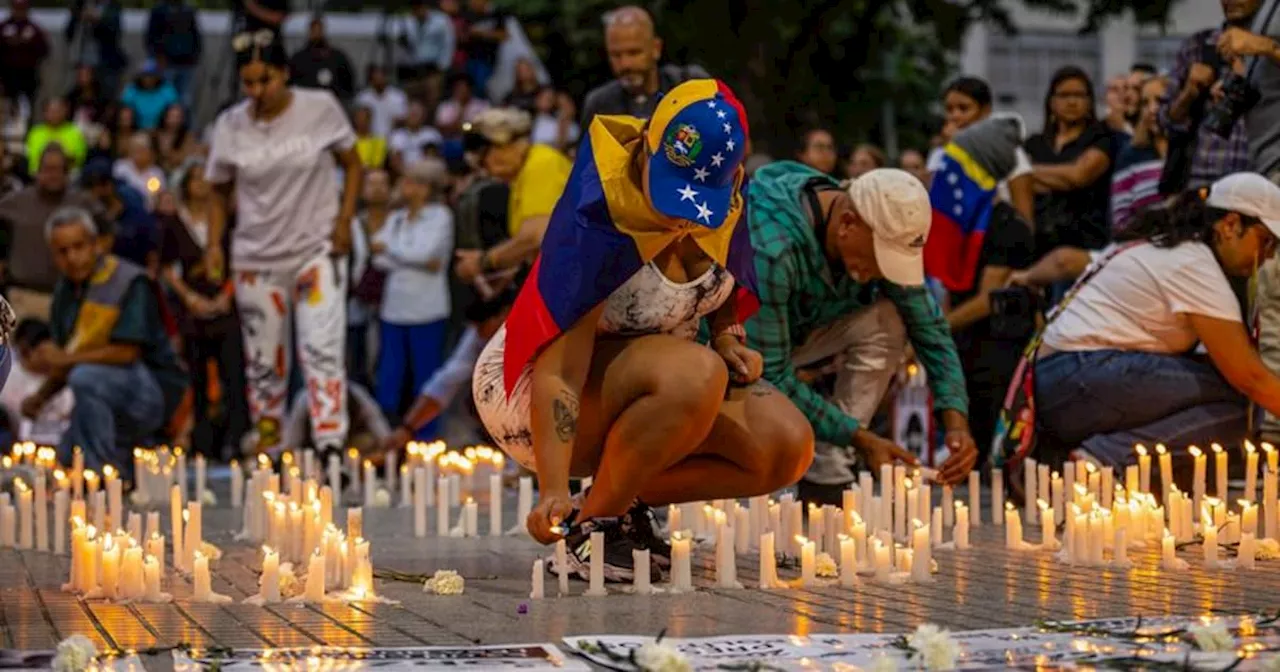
565, 410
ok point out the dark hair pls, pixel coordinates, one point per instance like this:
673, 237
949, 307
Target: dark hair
262, 46
55, 149
188, 174
876, 153
973, 87
1063, 74
458, 76
31, 332
484, 310
184, 128
1145, 68
802, 142
1186, 218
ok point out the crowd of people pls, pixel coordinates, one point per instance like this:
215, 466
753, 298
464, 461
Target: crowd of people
632, 292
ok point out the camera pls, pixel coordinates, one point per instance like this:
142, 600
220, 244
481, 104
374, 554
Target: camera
1238, 97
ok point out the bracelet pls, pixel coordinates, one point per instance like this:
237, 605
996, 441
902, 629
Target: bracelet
735, 330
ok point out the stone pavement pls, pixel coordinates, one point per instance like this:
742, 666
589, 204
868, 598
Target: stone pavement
984, 587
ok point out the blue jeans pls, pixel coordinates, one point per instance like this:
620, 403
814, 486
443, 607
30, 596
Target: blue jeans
1106, 401
116, 408
182, 77
412, 353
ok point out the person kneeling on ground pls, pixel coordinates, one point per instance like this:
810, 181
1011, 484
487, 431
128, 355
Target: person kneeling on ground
1119, 363
842, 273
110, 346
596, 372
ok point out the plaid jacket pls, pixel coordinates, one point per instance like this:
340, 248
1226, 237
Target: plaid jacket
799, 294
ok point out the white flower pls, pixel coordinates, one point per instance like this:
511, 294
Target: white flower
381, 499
1212, 636
885, 664
825, 566
242, 41
74, 654
289, 585
935, 646
1268, 549
209, 498
445, 582
659, 657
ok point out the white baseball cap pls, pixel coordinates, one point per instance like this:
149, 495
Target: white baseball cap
895, 204
1248, 194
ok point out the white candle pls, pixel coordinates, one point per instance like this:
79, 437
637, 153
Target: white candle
370, 484
1168, 553
1273, 458
442, 507
1120, 548
997, 497
495, 505
41, 514
390, 470
151, 580
132, 586
355, 523
134, 526
883, 560
1269, 503
975, 498
1248, 518
237, 485
334, 467
537, 578
75, 584
1144, 468
8, 524
913, 502
596, 574
960, 533
681, 565
1198, 482
1220, 470
1048, 538
768, 562
726, 560
90, 553
26, 526
1250, 472
1044, 481
455, 489
1247, 551
295, 537
110, 567
99, 501
155, 548
935, 526
640, 583
948, 506
419, 502
1210, 533
194, 535
808, 560
1029, 490
471, 521
899, 501
406, 487
314, 588
362, 571
562, 567
60, 521
848, 562
175, 523
817, 526
524, 504
1013, 528
1166, 471
200, 477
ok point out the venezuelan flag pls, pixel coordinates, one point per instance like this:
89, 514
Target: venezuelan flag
602, 231
963, 197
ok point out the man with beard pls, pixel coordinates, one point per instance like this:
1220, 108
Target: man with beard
320, 65
634, 51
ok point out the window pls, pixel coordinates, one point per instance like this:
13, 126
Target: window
1159, 50
1020, 66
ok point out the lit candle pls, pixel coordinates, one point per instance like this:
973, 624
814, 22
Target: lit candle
353, 468
1013, 528
175, 523
808, 560
134, 526
1168, 554
1220, 470
768, 562
1248, 518
355, 523
997, 497
913, 501
848, 562
200, 477
442, 507
1107, 487
1273, 458
817, 525
726, 560
406, 487
883, 559
334, 467
681, 565
1166, 471
294, 537
640, 582
60, 521
537, 593
899, 502
362, 572
524, 504
110, 567
960, 533
132, 586
1056, 502
155, 549
99, 501
181, 470
1048, 533
419, 501
76, 584
26, 529
41, 514
495, 505
237, 484
194, 535
1210, 533
1120, 548
1144, 468
471, 522
596, 573
921, 563
1269, 503
151, 579
562, 567
975, 498
1246, 554
314, 588
370, 484
1250, 472
1044, 481
1198, 483
89, 556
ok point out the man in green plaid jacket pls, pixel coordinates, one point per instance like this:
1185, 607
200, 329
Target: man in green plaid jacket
841, 275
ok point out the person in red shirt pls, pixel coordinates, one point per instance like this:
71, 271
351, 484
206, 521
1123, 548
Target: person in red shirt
23, 48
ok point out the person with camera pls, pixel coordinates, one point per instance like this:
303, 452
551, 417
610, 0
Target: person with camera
842, 274
1200, 153
1119, 363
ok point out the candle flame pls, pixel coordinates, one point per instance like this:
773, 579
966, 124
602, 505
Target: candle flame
916, 524
264, 461
906, 483
138, 452
1160, 449
353, 453
89, 475
20, 484
1088, 466
186, 515
1216, 448
109, 471
1055, 476
1244, 504
1195, 451
90, 532
266, 550
1248, 447
802, 540
59, 476
1008, 506
1141, 450
1044, 506
857, 518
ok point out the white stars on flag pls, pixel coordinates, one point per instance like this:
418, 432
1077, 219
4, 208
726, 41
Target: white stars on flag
704, 213
728, 128
717, 159
701, 174
731, 144
687, 194
721, 114
711, 104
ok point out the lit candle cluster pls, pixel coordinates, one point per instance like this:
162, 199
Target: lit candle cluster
116, 566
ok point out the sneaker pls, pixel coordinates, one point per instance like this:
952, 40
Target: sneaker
642, 527
619, 567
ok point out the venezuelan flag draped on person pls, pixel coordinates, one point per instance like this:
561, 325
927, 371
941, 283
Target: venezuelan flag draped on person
609, 223
963, 195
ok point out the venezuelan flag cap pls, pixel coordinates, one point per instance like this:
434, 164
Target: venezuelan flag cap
696, 139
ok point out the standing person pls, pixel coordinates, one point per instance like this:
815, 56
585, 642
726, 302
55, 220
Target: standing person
389, 104
173, 40
427, 41
56, 128
486, 31
149, 96
86, 100
912, 161
96, 24
207, 317
139, 170
634, 51
818, 151
258, 15
1071, 164
376, 208
413, 142
842, 273
414, 248
277, 152
863, 159
23, 50
1135, 186
321, 65
175, 142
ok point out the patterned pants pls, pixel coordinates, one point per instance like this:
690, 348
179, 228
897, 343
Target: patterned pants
314, 293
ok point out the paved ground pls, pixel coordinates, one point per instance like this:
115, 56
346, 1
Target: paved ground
980, 588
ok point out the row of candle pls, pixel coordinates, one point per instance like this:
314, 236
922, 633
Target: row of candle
114, 566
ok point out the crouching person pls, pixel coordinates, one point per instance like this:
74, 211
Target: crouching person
109, 346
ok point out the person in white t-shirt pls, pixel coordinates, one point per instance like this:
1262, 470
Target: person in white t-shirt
139, 169
966, 101
415, 141
277, 152
389, 104
1120, 364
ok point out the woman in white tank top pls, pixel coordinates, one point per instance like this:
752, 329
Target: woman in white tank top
277, 152
633, 259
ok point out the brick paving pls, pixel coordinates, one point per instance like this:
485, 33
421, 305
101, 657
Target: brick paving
984, 587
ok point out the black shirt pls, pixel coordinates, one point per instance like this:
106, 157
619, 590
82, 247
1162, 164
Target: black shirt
611, 98
178, 246
1078, 217
1009, 243
484, 50
252, 24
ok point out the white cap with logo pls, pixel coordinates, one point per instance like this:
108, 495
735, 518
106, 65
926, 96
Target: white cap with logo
895, 204
1248, 194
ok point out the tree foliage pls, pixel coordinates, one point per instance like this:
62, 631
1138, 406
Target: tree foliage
800, 63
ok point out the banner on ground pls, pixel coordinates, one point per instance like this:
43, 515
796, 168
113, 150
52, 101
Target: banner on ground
511, 657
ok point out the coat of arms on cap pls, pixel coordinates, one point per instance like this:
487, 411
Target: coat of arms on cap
682, 145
